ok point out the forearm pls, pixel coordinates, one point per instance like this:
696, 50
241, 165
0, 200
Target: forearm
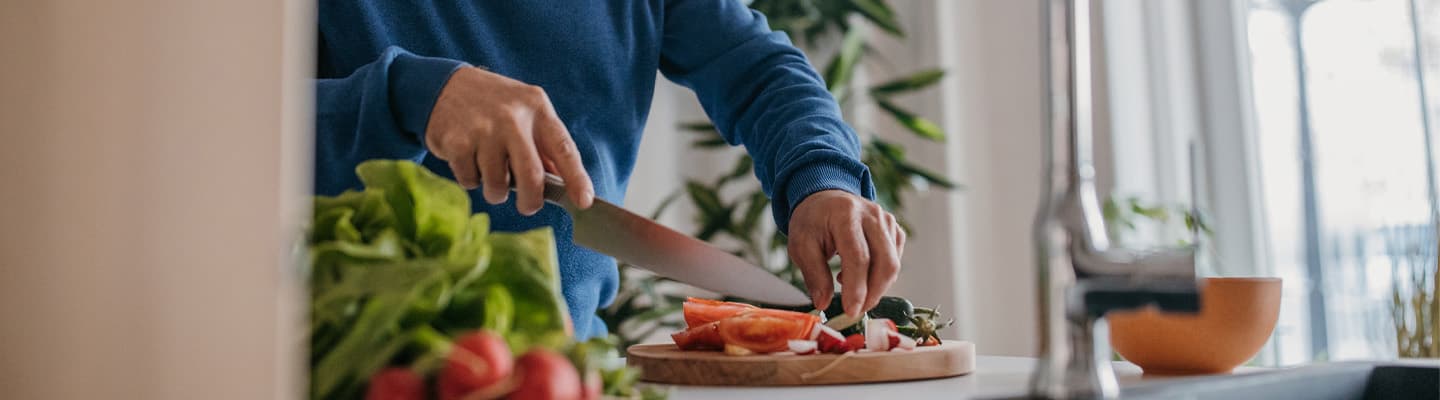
762, 92
379, 111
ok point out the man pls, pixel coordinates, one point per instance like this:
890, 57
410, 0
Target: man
491, 92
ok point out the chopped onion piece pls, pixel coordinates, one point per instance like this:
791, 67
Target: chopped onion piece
803, 347
877, 335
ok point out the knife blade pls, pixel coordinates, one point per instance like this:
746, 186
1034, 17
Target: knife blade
642, 242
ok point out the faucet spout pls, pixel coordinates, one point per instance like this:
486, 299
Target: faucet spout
1080, 275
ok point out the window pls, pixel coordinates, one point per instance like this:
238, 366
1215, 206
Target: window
1347, 162
1318, 121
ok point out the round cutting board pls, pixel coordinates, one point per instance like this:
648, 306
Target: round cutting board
665, 363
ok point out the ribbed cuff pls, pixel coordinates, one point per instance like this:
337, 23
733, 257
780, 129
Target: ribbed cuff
816, 177
416, 84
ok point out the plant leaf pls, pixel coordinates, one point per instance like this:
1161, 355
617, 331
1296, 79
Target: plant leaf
916, 81
929, 176
705, 198
919, 126
754, 210
842, 67
878, 13
699, 127
664, 204
743, 166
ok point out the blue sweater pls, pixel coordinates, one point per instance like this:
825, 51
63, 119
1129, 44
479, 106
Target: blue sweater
382, 64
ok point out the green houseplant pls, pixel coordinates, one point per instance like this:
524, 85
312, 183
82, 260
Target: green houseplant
1415, 302
647, 304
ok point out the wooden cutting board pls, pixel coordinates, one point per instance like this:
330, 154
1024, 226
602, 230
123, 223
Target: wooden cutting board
665, 363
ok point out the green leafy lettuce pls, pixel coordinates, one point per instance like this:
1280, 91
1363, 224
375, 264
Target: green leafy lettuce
397, 268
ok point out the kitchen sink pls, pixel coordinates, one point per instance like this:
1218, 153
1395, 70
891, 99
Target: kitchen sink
1331, 381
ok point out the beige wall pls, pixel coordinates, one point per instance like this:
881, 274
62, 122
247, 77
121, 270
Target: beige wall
152, 169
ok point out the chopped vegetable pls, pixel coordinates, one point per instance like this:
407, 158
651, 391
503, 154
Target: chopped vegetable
893, 308
848, 325
766, 331
877, 335
802, 347
738, 328
855, 342
830, 341
396, 384
704, 337
901, 342
703, 311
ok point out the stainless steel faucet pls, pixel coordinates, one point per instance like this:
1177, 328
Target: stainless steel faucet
1080, 276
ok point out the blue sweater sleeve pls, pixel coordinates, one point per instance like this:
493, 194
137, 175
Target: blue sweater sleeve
379, 111
761, 92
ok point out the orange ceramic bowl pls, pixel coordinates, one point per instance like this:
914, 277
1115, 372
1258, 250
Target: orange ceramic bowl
1236, 317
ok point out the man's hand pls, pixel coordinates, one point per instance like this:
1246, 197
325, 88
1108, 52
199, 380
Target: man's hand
867, 238
493, 129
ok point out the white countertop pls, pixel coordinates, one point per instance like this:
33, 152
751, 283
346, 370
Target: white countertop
994, 376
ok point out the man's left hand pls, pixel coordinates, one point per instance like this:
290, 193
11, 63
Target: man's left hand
867, 238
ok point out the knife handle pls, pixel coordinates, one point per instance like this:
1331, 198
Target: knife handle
555, 190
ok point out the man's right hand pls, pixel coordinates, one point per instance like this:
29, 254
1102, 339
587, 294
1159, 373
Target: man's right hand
493, 129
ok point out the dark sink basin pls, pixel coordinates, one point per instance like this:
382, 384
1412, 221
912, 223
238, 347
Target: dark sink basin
1335, 381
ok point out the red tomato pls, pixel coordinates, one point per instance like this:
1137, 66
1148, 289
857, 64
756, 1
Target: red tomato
703, 337
478, 361
396, 384
855, 342
545, 375
703, 311
766, 331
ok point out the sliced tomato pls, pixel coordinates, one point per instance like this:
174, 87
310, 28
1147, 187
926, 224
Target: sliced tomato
766, 331
703, 337
703, 311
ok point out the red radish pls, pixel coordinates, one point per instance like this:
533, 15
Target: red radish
890, 323
829, 340
855, 342
396, 383
877, 335
901, 342
593, 387
803, 347
545, 375
478, 361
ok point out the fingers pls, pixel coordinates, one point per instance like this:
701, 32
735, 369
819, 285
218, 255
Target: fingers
560, 152
810, 257
494, 173
854, 261
466, 173
529, 176
899, 234
885, 259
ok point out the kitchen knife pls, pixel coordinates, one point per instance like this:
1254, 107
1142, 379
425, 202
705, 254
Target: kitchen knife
644, 243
